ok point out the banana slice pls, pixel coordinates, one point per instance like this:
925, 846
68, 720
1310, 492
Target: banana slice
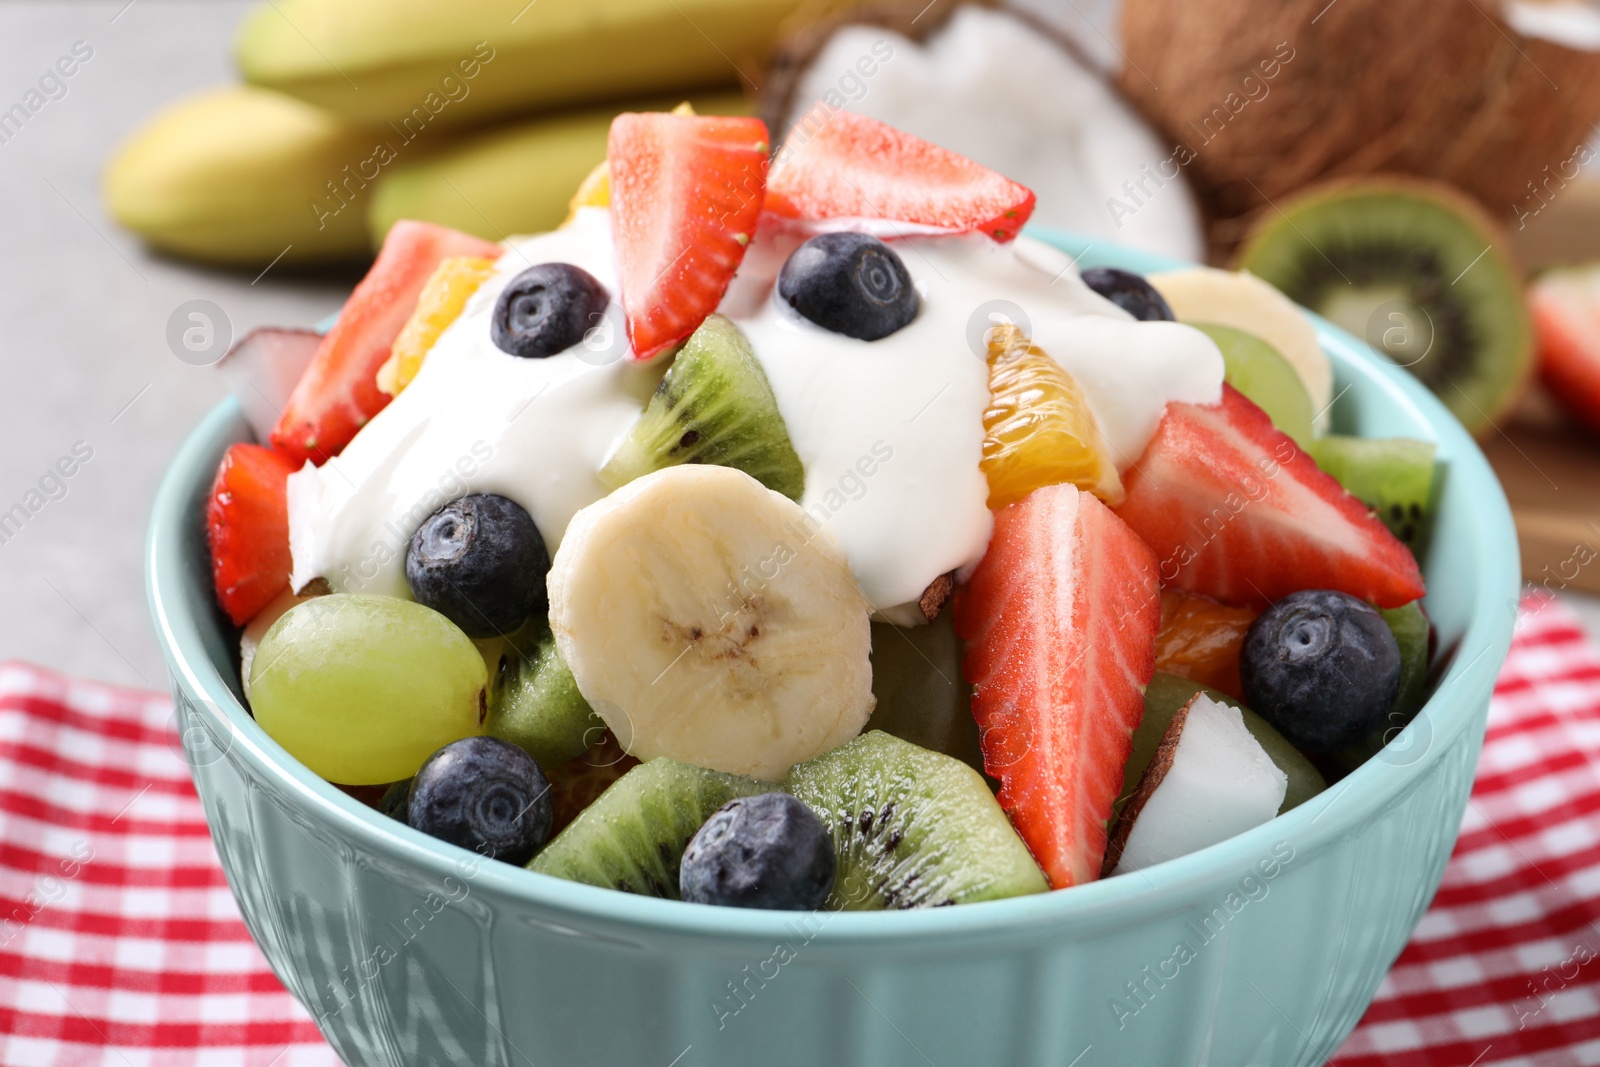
1239, 299
707, 620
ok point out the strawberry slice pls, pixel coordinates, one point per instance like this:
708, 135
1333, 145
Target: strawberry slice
247, 524
1566, 318
338, 393
686, 191
1060, 620
1236, 512
856, 167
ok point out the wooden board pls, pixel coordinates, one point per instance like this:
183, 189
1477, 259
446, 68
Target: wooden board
1551, 475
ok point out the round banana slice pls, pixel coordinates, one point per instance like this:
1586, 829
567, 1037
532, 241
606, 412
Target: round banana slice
708, 619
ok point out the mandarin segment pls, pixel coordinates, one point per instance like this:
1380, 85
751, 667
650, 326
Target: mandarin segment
1200, 640
1038, 428
443, 296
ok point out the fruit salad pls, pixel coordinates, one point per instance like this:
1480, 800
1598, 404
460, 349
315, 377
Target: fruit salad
794, 532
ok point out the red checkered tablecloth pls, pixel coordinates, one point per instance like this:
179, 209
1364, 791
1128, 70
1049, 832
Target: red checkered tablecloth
120, 945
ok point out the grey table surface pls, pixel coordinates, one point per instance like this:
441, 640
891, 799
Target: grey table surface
83, 347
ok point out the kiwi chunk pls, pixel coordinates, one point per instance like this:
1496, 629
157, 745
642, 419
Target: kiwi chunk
922, 696
912, 828
1394, 476
1419, 272
534, 703
1260, 372
713, 406
1166, 694
632, 838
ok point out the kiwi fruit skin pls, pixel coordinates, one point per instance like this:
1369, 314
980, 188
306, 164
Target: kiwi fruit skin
534, 703
716, 406
1166, 694
633, 836
912, 828
922, 696
1397, 477
1347, 249
1260, 372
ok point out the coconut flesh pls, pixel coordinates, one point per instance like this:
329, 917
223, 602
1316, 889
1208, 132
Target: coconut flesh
998, 90
1209, 781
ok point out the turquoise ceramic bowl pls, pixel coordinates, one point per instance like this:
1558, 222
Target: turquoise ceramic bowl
1265, 949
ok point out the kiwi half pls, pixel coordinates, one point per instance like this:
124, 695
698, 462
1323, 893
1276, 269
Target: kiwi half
1166, 695
716, 406
633, 836
1394, 476
912, 828
1420, 272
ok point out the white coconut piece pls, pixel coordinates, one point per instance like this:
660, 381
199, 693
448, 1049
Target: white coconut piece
996, 89
261, 370
1573, 23
1218, 782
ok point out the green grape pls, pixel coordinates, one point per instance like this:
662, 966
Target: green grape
362, 689
1261, 373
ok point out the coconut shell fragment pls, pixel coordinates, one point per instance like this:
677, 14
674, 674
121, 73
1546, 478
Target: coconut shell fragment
1264, 98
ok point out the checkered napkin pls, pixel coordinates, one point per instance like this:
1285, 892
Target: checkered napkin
120, 945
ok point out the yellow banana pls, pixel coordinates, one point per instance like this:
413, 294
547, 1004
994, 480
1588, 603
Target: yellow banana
516, 179
230, 176
451, 64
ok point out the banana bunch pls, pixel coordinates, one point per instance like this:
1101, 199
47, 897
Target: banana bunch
361, 112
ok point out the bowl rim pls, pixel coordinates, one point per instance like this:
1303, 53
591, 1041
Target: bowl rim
1125, 901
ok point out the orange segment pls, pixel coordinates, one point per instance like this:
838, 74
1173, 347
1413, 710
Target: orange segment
594, 192
1038, 429
445, 294
1200, 640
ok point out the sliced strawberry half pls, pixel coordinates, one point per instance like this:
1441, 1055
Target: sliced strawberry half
1236, 512
686, 191
1060, 620
856, 167
338, 393
1566, 318
247, 524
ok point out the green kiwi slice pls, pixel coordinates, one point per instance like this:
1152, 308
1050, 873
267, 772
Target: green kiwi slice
922, 696
1165, 694
1260, 372
714, 406
912, 828
534, 702
1419, 272
1394, 476
633, 836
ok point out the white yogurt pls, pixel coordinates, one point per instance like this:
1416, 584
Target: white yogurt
890, 432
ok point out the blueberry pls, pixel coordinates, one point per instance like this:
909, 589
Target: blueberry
1130, 292
849, 283
1323, 667
481, 563
486, 795
768, 851
547, 309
